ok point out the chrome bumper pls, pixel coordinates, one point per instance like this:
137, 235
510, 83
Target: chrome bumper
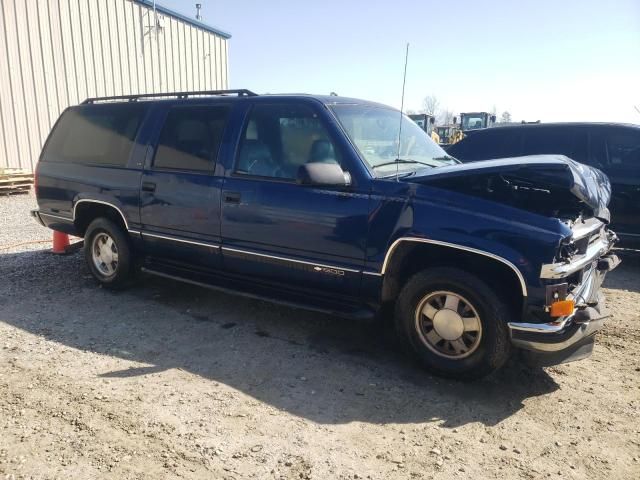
593, 252
567, 331
562, 338
587, 317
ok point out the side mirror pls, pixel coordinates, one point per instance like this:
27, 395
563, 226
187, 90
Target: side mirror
455, 120
321, 173
432, 120
493, 119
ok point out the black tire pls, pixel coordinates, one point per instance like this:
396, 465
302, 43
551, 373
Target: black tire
490, 344
123, 267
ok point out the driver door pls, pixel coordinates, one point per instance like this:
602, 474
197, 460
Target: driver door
277, 230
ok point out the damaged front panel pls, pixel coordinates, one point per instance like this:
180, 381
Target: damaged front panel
549, 185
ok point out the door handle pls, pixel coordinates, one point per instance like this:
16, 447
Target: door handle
148, 187
232, 197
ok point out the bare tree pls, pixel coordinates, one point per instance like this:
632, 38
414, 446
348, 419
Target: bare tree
505, 117
431, 105
445, 117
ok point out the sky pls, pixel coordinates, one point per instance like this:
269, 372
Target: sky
560, 60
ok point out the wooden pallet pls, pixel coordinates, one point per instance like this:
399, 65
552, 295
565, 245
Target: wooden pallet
15, 180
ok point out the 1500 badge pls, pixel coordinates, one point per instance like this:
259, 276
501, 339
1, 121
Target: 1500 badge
329, 271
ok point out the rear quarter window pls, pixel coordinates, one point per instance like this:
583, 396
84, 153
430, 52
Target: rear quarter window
95, 134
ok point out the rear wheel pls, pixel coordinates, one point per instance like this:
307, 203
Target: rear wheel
108, 253
454, 323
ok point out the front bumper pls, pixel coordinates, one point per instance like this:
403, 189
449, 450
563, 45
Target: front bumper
570, 338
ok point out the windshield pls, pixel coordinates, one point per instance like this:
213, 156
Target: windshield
443, 133
471, 121
374, 131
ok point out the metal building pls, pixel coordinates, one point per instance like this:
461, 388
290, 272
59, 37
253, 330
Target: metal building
56, 53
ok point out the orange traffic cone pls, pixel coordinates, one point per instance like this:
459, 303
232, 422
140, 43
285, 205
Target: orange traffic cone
60, 242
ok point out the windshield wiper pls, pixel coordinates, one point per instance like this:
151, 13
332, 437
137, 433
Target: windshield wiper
401, 160
448, 158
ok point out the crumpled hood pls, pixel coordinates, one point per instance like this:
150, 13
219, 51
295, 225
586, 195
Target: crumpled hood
544, 172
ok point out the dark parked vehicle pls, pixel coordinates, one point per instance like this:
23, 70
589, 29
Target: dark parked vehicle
325, 203
612, 148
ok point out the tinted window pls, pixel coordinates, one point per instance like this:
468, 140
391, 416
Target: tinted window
571, 142
95, 134
280, 138
191, 137
487, 144
617, 152
624, 148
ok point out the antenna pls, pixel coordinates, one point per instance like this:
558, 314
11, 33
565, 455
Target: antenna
404, 81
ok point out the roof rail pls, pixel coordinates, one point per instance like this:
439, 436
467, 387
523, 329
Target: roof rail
243, 92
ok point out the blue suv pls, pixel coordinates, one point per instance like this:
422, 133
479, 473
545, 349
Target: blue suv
338, 205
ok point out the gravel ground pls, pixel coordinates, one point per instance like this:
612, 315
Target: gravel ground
166, 380
17, 227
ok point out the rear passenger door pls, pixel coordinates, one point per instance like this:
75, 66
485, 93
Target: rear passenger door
569, 141
180, 192
488, 144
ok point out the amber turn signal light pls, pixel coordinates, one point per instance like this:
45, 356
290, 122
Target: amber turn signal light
562, 308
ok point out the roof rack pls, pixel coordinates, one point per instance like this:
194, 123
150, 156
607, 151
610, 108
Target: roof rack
243, 92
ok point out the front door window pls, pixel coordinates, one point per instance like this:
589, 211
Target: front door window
278, 139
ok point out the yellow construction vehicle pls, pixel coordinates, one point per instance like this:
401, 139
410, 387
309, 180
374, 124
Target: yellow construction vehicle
453, 133
449, 134
475, 120
426, 122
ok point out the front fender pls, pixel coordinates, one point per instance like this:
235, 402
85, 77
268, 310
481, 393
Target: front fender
520, 239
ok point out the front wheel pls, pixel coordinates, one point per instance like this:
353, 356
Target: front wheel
108, 253
454, 323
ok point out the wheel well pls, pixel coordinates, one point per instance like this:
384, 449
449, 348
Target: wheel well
410, 258
87, 212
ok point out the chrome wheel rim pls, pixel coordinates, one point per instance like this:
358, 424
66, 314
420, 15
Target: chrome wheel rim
104, 253
448, 325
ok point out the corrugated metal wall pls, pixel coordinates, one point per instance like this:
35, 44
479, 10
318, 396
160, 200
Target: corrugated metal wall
56, 53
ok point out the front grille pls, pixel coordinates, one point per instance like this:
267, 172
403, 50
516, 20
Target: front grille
582, 244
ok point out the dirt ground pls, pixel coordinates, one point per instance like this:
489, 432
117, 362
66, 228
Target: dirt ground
166, 380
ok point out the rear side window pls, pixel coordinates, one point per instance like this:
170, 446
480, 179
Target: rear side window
191, 138
95, 134
617, 152
571, 142
624, 148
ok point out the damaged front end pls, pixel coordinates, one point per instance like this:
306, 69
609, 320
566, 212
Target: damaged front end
549, 185
574, 305
559, 327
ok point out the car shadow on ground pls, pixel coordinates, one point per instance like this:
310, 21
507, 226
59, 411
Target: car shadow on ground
318, 367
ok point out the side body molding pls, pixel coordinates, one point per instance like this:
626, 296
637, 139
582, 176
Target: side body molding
397, 242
